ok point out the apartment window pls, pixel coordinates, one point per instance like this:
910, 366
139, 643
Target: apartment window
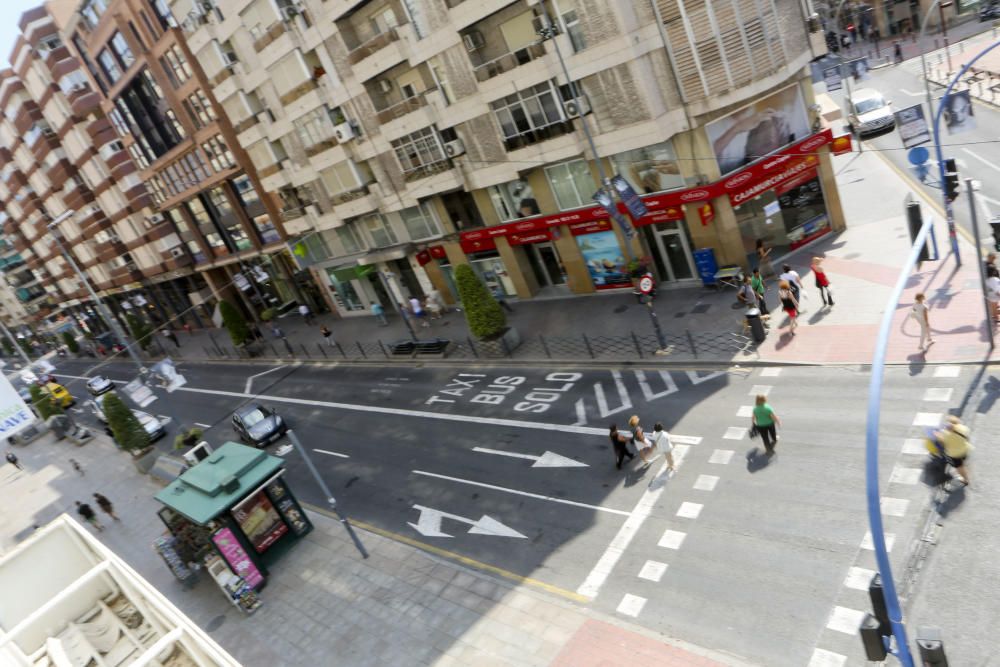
176, 66
651, 168
379, 230
342, 177
171, 117
228, 219
350, 239
155, 184
121, 118
417, 150
266, 230
47, 45
121, 48
573, 28
75, 80
109, 66
203, 221
163, 14
525, 115
219, 155
91, 11
199, 108
314, 127
150, 81
247, 194
571, 183
138, 156
513, 200
419, 222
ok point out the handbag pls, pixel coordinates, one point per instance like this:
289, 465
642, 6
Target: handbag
754, 431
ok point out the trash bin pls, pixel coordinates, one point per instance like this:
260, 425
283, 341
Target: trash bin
756, 325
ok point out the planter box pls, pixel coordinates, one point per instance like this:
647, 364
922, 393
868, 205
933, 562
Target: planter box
500, 347
145, 460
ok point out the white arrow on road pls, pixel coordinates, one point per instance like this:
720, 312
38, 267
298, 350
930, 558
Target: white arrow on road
546, 460
429, 524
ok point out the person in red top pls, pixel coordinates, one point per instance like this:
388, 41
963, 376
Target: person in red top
822, 282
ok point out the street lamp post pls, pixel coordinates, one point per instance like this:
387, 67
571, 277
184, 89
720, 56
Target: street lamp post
944, 30
101, 308
548, 33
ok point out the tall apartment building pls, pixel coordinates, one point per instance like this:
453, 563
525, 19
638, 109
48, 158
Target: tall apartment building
408, 136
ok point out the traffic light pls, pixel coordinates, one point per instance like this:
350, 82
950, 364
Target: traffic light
950, 179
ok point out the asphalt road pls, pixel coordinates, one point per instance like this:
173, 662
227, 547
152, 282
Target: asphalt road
732, 551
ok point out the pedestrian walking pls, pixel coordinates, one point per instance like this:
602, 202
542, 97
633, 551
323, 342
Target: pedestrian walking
417, 309
760, 289
639, 439
921, 313
500, 297
991, 266
789, 304
327, 335
306, 313
794, 282
435, 304
187, 328
106, 506
172, 337
276, 331
952, 444
766, 422
379, 312
993, 297
897, 52
822, 282
12, 459
764, 258
662, 443
76, 466
619, 443
85, 510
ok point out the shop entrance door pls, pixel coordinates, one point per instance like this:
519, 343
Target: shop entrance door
674, 261
546, 265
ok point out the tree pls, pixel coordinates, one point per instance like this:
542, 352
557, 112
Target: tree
141, 331
70, 341
8, 348
485, 316
42, 400
234, 323
125, 427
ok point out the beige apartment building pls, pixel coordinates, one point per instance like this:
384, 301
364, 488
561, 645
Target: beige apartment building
404, 137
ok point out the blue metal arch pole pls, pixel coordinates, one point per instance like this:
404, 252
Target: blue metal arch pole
952, 231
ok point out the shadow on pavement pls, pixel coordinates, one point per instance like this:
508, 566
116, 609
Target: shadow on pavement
757, 460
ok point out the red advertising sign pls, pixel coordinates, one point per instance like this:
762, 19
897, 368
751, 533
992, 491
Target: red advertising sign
437, 252
842, 144
236, 556
581, 228
666, 215
480, 243
793, 183
771, 173
706, 213
423, 257
530, 237
260, 522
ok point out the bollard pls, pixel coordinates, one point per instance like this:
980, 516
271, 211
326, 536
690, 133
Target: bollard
871, 639
931, 647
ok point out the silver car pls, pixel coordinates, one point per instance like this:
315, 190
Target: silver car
869, 112
99, 384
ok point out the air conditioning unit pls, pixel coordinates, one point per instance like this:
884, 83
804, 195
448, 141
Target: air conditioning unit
540, 24
454, 148
155, 219
474, 40
385, 86
344, 132
577, 107
177, 252
230, 58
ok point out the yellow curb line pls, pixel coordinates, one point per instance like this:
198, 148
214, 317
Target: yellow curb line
464, 560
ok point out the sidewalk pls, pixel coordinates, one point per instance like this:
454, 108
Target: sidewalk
862, 263
981, 80
401, 606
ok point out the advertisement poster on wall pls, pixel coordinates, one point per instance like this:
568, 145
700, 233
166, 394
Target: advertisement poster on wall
912, 126
604, 259
260, 522
759, 129
236, 556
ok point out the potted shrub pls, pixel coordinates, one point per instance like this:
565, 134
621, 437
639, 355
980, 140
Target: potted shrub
70, 341
485, 317
140, 330
268, 314
127, 431
234, 322
43, 403
187, 438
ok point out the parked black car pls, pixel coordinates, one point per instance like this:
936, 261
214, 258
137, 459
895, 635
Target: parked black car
257, 425
989, 11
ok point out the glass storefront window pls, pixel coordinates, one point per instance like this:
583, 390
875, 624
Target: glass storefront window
514, 200
650, 169
788, 216
492, 271
571, 183
346, 296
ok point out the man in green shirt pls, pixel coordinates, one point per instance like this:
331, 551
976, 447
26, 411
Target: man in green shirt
766, 422
759, 288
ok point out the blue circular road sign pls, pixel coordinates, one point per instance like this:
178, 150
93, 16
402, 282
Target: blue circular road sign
918, 155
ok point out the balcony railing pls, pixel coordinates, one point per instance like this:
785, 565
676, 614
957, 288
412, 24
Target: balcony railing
425, 170
400, 109
508, 61
270, 170
376, 43
350, 195
272, 33
245, 124
298, 91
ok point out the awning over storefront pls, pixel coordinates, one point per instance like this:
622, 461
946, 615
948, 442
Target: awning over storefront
387, 254
347, 273
219, 482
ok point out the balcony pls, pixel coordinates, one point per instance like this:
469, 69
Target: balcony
400, 109
425, 170
372, 46
298, 91
272, 33
270, 170
245, 124
508, 61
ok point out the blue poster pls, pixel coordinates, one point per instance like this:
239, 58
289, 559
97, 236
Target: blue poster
629, 197
605, 261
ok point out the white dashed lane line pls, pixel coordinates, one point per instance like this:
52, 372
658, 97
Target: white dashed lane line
652, 570
706, 482
908, 476
859, 578
758, 389
914, 446
928, 419
938, 394
721, 456
824, 658
770, 372
672, 539
689, 510
866, 542
894, 506
631, 605
947, 371
846, 620
735, 433
745, 411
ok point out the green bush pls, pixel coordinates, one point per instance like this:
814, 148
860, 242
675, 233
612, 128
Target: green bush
8, 348
234, 323
43, 402
140, 329
125, 427
268, 314
70, 341
485, 316
187, 438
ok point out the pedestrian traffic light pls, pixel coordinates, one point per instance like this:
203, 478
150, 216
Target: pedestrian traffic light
950, 179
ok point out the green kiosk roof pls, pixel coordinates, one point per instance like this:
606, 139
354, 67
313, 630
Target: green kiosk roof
219, 482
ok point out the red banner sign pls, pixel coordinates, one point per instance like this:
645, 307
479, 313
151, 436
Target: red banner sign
842, 144
437, 252
423, 257
530, 237
793, 183
581, 228
706, 213
479, 244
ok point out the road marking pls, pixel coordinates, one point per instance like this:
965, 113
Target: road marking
911, 94
940, 395
631, 605
251, 378
672, 539
770, 372
867, 544
602, 402
616, 549
947, 372
745, 411
927, 419
323, 451
859, 578
824, 658
905, 475
845, 620
653, 571
200, 425
735, 433
668, 380
522, 493
546, 460
757, 389
689, 510
992, 165
894, 506
429, 524
914, 446
697, 379
721, 456
706, 482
